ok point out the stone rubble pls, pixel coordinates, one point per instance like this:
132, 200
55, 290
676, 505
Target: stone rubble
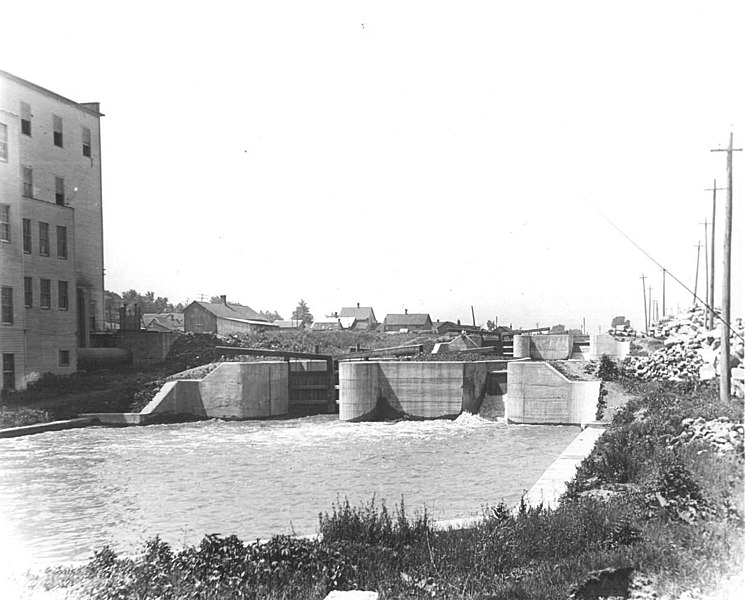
722, 434
691, 351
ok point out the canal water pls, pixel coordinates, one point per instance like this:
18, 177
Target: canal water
65, 494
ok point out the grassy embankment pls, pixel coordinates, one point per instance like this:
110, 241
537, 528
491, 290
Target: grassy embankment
648, 498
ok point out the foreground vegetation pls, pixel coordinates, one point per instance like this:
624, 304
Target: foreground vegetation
649, 501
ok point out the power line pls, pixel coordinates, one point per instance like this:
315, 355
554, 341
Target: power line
665, 270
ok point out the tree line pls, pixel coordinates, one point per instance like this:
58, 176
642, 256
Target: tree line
150, 303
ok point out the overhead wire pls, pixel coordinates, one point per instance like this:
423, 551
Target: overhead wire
650, 257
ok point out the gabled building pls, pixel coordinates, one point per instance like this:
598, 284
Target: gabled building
333, 324
407, 322
446, 327
169, 321
364, 316
51, 230
222, 318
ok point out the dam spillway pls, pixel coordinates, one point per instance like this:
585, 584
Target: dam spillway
522, 391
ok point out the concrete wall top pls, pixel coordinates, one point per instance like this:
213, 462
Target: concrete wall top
607, 344
543, 347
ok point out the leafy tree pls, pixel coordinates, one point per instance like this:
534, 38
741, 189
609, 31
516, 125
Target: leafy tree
112, 302
271, 315
302, 313
148, 302
491, 325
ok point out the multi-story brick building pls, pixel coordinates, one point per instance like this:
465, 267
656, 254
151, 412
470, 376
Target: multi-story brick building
51, 230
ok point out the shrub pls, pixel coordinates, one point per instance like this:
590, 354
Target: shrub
607, 368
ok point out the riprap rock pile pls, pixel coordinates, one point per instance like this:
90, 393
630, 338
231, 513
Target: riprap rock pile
691, 351
722, 434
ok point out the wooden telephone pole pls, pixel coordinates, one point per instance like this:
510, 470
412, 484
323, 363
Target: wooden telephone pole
711, 257
695, 285
644, 291
724, 388
706, 264
664, 276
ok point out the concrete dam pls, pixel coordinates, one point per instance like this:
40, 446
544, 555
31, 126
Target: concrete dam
522, 391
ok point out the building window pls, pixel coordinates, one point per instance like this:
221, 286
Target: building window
45, 293
25, 118
3, 142
86, 141
4, 222
9, 371
27, 236
59, 191
28, 182
43, 238
6, 312
57, 126
61, 241
63, 302
28, 292
64, 358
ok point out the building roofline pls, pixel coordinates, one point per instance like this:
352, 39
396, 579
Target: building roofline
54, 95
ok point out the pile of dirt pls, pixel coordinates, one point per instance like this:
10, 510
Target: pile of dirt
192, 350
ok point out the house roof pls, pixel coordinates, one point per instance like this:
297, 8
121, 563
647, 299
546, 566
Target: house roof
85, 106
408, 319
288, 324
361, 313
231, 311
334, 323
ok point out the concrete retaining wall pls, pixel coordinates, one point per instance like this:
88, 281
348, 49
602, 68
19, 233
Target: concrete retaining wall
607, 344
538, 394
543, 347
232, 391
372, 390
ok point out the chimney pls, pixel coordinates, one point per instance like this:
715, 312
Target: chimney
406, 311
224, 299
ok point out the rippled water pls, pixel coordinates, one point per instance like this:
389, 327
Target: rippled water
64, 494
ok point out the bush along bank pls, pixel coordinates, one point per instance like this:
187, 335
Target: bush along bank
657, 507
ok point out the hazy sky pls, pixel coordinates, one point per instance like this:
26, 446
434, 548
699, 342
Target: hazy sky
420, 155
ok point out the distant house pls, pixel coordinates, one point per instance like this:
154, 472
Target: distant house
364, 316
407, 322
333, 324
445, 327
170, 321
222, 318
463, 342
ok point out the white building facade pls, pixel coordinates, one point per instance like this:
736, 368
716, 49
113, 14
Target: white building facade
51, 230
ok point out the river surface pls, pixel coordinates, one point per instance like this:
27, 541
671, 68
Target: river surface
65, 494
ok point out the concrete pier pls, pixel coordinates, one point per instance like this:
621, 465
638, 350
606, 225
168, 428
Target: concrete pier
232, 391
373, 390
538, 394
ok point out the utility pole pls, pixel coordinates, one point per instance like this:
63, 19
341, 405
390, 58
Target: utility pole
695, 285
649, 289
724, 389
664, 274
706, 263
644, 291
711, 258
